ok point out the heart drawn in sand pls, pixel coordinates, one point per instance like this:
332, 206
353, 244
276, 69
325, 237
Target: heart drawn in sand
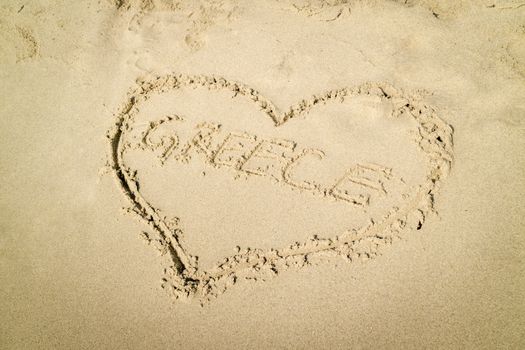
211, 165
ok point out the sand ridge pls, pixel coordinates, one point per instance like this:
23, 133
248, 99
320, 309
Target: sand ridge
184, 278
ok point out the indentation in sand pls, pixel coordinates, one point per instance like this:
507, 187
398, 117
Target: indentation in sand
202, 15
20, 40
232, 188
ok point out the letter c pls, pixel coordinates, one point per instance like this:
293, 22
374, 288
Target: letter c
305, 184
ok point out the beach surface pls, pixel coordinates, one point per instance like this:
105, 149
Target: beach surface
296, 174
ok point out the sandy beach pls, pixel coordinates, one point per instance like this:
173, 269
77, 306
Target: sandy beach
295, 174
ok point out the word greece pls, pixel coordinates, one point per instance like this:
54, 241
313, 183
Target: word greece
278, 159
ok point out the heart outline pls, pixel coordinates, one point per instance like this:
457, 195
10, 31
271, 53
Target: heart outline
183, 278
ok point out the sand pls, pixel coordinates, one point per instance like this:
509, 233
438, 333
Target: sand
270, 174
